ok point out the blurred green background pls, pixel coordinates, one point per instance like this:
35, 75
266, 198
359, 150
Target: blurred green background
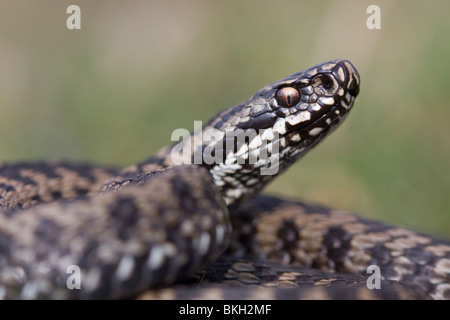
113, 91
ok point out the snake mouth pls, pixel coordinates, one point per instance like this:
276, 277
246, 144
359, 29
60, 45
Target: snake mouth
307, 132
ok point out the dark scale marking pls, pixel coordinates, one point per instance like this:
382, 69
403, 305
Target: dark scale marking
47, 233
47, 230
78, 191
6, 187
380, 255
180, 187
288, 233
47, 169
18, 177
282, 112
263, 121
264, 109
446, 294
13, 170
427, 272
354, 88
38, 175
56, 195
36, 198
84, 170
90, 253
337, 243
5, 247
126, 214
419, 255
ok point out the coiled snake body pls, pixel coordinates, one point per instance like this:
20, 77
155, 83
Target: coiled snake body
176, 227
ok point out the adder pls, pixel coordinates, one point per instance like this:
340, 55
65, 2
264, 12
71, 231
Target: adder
189, 222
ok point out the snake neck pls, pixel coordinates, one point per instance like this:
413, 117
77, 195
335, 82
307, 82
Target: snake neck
246, 146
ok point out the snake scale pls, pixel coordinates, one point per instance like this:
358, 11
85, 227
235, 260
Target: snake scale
166, 228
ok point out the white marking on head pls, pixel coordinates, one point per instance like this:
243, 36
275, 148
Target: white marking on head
327, 100
252, 181
313, 71
280, 126
315, 131
328, 66
245, 119
243, 149
253, 155
267, 135
230, 167
234, 193
315, 106
255, 143
345, 105
352, 72
298, 117
341, 74
257, 108
303, 106
261, 162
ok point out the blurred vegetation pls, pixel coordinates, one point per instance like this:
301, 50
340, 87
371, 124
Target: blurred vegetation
113, 91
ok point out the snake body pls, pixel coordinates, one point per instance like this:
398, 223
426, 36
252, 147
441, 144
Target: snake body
197, 226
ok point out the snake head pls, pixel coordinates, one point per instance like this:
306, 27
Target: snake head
285, 119
306, 105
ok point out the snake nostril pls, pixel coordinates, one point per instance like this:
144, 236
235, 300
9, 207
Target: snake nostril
327, 82
324, 82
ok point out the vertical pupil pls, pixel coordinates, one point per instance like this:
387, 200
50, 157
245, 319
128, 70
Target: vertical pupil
287, 97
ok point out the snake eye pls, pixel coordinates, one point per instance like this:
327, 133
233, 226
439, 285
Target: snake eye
288, 97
